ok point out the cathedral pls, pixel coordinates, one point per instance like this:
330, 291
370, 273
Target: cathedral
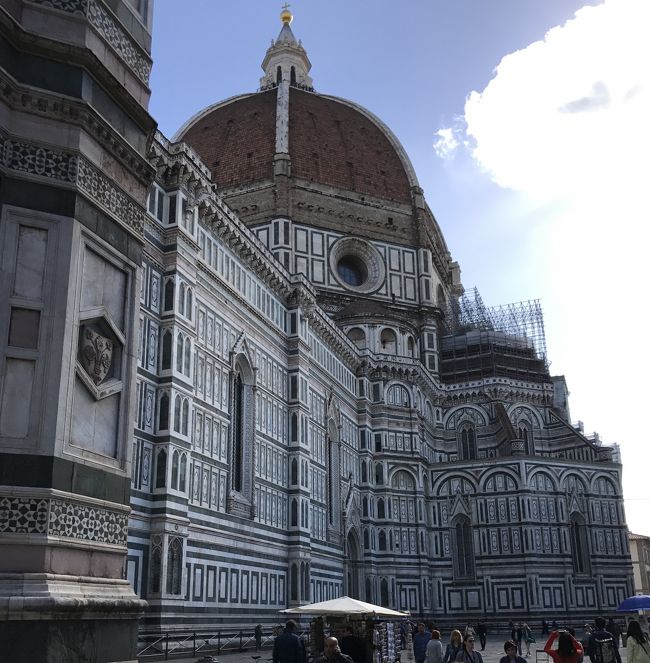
240, 371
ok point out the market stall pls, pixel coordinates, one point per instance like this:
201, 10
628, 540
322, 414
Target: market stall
371, 631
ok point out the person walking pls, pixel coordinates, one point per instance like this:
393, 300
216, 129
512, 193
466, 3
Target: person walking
528, 638
602, 647
481, 631
510, 648
569, 650
434, 648
332, 653
454, 646
519, 636
258, 637
420, 641
638, 644
288, 647
469, 654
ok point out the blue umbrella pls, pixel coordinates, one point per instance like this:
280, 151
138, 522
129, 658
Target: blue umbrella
634, 603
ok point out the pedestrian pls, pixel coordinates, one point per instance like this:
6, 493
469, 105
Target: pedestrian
454, 646
614, 629
469, 631
468, 654
569, 650
332, 653
434, 648
513, 631
420, 641
544, 627
288, 646
510, 648
638, 644
353, 646
519, 636
481, 631
529, 638
602, 648
258, 637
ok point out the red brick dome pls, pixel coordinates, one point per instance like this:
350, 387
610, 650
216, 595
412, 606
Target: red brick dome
332, 142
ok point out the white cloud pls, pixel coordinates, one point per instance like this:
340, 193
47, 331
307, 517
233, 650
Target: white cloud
570, 114
566, 122
446, 142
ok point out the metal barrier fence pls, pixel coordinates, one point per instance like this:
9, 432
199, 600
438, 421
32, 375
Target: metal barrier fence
168, 645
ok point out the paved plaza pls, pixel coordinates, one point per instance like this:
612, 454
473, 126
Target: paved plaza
492, 654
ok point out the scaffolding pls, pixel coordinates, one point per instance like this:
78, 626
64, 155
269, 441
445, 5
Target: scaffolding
523, 320
506, 340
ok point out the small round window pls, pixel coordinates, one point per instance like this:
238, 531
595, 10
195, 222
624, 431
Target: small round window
352, 270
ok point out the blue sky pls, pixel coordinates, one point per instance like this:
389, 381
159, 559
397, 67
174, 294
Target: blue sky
530, 145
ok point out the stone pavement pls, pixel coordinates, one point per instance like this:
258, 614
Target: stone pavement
492, 654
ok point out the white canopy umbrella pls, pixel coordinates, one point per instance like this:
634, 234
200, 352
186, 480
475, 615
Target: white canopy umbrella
343, 606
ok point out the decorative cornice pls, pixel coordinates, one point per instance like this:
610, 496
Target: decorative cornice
78, 113
108, 27
70, 168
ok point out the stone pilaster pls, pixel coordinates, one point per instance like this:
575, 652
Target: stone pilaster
72, 197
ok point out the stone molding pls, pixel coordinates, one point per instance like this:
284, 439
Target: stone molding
60, 517
70, 168
78, 113
109, 29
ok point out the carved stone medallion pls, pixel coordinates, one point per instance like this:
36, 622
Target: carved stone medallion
96, 354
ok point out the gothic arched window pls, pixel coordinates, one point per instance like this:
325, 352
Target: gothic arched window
168, 304
166, 354
379, 474
179, 353
397, 394
294, 582
188, 357
463, 548
381, 509
382, 540
174, 565
163, 412
579, 544
293, 75
175, 463
467, 443
238, 432
161, 469
156, 565
524, 434
186, 415
278, 75
177, 413
384, 592
182, 473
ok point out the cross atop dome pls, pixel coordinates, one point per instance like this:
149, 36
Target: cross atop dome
286, 59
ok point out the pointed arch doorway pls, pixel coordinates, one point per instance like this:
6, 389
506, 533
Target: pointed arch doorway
353, 566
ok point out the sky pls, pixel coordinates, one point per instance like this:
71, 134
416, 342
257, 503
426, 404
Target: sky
527, 124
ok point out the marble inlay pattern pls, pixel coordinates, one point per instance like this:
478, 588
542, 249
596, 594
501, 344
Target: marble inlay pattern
19, 155
23, 515
57, 517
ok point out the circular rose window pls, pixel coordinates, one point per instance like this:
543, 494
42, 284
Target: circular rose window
357, 265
